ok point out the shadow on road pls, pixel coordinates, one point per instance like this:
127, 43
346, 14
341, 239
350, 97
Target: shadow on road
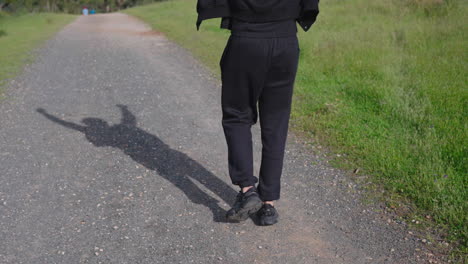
154, 154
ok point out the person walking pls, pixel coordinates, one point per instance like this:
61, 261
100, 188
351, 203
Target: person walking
258, 70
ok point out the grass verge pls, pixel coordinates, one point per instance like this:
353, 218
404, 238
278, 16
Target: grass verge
19, 34
384, 85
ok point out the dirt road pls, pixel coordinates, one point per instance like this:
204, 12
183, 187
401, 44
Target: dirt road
112, 151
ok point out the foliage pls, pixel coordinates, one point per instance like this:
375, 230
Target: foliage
68, 6
21, 34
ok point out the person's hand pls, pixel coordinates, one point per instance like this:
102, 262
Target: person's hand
41, 110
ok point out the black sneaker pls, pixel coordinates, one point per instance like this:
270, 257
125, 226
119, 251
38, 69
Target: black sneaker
267, 215
246, 204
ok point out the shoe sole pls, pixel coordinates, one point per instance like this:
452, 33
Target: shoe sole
244, 213
268, 223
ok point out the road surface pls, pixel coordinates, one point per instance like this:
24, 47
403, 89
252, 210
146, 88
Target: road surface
112, 151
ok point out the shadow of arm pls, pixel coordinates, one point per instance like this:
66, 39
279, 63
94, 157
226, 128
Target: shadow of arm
60, 121
128, 118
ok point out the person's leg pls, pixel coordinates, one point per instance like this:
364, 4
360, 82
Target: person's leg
274, 110
243, 69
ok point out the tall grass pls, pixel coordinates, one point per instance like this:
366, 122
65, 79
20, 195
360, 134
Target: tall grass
19, 34
383, 82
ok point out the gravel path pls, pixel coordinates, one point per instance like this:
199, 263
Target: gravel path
112, 151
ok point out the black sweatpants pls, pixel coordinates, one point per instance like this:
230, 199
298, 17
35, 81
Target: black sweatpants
258, 66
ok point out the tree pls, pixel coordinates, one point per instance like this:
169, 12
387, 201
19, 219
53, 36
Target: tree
4, 4
69, 6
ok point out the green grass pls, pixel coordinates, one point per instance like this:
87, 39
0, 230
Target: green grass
20, 34
382, 82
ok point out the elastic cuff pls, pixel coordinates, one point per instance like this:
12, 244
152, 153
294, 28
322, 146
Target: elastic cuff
311, 5
249, 182
213, 12
268, 196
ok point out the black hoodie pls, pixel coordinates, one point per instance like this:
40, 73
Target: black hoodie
303, 11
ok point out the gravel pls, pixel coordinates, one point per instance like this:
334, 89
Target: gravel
127, 163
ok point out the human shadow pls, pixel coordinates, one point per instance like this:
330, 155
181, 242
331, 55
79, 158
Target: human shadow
154, 154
